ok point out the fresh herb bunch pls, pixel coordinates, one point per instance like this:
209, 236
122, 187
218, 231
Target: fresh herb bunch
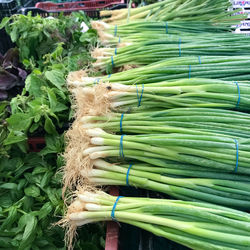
30, 196
30, 189
51, 48
50, 38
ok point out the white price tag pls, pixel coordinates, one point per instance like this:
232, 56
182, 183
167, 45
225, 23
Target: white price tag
84, 27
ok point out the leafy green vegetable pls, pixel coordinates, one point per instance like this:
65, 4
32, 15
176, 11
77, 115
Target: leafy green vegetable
30, 187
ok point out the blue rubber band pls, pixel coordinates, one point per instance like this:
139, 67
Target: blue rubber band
114, 207
121, 147
189, 73
237, 155
112, 61
166, 27
115, 30
115, 51
199, 59
139, 98
122, 115
238, 102
109, 75
180, 47
119, 39
97, 80
127, 176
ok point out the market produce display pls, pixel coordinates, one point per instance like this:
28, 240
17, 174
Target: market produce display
148, 102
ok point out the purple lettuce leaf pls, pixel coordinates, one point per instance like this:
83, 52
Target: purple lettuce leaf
7, 80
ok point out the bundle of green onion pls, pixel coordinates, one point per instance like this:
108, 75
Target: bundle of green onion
194, 92
151, 51
214, 11
189, 120
226, 189
195, 225
138, 31
217, 67
207, 151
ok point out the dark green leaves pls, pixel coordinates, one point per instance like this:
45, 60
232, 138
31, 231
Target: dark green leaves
29, 232
19, 122
32, 191
45, 210
56, 78
12, 214
33, 84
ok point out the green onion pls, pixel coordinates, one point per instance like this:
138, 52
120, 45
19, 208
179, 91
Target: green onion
225, 68
195, 225
219, 191
139, 31
182, 93
208, 151
214, 11
189, 120
150, 51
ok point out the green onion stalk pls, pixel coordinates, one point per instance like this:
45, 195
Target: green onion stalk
139, 31
214, 11
193, 224
217, 190
209, 93
233, 68
207, 151
151, 51
191, 120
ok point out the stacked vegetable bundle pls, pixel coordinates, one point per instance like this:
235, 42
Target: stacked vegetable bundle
152, 46
225, 68
185, 10
196, 225
151, 128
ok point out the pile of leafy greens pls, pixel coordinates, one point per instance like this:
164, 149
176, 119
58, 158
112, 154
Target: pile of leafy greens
30, 189
50, 48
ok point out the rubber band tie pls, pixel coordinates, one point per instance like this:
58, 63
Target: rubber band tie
189, 73
180, 47
238, 102
96, 80
199, 59
109, 75
112, 61
139, 98
115, 30
121, 147
166, 27
237, 155
114, 207
122, 115
119, 39
115, 51
127, 176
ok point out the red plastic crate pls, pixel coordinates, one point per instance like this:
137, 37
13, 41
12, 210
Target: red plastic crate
112, 234
36, 144
76, 6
